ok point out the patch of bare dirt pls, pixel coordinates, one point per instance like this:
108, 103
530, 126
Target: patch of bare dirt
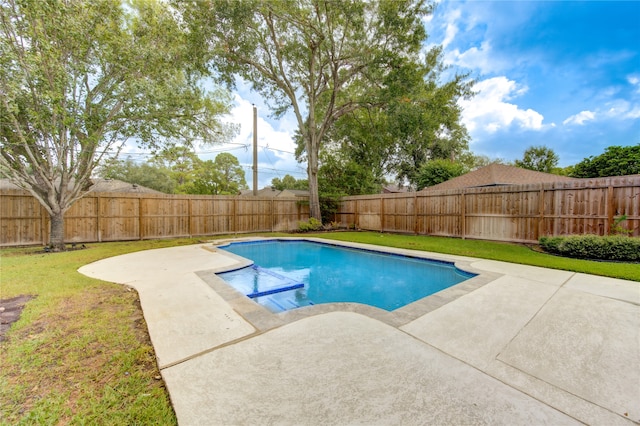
10, 310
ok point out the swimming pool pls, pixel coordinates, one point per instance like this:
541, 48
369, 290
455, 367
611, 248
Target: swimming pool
291, 274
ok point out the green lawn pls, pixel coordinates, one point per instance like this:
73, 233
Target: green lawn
80, 354
507, 252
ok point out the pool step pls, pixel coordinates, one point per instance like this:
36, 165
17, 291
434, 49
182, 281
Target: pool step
287, 283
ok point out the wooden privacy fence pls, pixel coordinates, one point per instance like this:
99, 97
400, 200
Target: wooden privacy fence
521, 213
117, 217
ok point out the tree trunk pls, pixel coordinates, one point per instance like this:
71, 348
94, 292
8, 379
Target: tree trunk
312, 171
314, 197
56, 239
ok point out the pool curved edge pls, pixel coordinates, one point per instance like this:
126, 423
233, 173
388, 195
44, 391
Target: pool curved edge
263, 319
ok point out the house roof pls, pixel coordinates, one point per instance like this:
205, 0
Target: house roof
497, 175
393, 188
100, 185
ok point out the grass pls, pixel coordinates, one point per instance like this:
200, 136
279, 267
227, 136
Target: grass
507, 252
80, 353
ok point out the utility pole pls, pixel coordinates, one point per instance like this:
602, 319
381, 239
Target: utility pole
255, 150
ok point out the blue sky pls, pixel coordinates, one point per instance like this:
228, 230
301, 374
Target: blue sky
563, 74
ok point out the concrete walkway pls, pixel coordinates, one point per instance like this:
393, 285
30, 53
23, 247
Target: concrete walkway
515, 345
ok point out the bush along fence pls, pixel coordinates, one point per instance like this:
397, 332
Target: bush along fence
521, 213
101, 217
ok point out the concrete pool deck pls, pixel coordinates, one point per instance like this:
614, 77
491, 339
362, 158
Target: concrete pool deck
515, 345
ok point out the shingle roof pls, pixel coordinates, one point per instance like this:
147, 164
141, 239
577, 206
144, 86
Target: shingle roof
497, 175
100, 185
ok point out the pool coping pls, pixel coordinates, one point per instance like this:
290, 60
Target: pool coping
263, 319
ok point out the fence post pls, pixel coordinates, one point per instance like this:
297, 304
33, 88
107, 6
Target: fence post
43, 228
272, 214
234, 217
140, 217
190, 213
415, 213
540, 228
381, 213
610, 213
356, 217
98, 218
463, 215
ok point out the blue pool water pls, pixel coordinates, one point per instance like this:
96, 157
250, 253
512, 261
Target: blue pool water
290, 274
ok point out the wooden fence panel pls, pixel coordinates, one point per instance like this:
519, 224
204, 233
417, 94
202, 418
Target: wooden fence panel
120, 217
438, 214
399, 213
288, 214
21, 219
520, 213
81, 221
626, 202
164, 217
369, 213
503, 215
211, 215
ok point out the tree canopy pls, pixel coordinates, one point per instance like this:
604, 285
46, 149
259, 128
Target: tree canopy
320, 59
289, 182
539, 158
437, 171
179, 171
80, 78
614, 161
416, 120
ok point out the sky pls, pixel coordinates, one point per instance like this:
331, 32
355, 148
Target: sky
563, 74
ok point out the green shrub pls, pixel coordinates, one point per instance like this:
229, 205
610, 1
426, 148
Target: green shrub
312, 224
611, 247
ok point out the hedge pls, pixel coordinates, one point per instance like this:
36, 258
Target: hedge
611, 247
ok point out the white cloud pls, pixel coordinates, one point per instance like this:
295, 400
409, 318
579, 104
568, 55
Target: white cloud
618, 109
489, 112
580, 118
633, 113
450, 26
634, 80
475, 58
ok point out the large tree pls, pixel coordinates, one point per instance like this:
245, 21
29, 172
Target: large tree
319, 58
79, 78
614, 161
144, 174
416, 119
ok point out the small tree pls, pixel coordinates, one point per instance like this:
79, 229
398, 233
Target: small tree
437, 171
232, 178
539, 158
79, 78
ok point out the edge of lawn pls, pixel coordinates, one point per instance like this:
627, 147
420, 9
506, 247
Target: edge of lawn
493, 250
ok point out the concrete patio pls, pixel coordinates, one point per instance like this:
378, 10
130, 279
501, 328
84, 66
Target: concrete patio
514, 345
